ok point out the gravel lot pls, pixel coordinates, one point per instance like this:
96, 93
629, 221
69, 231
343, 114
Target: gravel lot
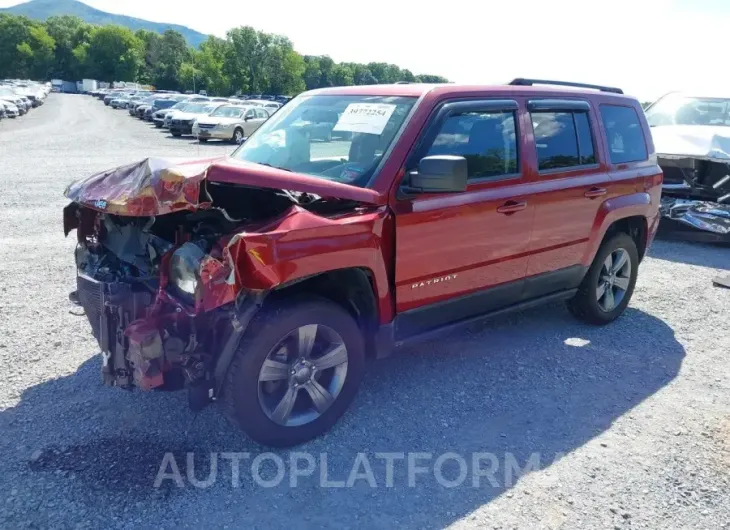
640, 410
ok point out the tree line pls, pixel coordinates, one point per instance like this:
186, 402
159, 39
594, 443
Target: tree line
246, 61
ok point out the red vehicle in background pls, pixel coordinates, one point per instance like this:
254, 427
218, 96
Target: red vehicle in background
265, 279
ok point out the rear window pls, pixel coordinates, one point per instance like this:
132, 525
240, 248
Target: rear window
563, 139
626, 142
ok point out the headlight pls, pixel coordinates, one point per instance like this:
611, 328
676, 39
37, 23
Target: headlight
185, 270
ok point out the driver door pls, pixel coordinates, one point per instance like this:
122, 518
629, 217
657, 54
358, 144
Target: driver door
460, 255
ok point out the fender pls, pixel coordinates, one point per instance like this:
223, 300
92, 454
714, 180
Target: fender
612, 210
301, 244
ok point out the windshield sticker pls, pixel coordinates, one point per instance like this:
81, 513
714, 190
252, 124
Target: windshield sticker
368, 118
351, 171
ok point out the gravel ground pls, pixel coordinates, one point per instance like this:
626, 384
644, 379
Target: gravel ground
631, 422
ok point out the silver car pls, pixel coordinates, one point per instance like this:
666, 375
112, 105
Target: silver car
230, 122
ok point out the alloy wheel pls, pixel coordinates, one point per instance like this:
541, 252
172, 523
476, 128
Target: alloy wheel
303, 375
613, 280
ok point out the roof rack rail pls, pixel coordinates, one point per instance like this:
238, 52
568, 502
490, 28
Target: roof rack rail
529, 82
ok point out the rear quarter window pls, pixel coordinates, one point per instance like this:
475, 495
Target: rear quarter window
626, 141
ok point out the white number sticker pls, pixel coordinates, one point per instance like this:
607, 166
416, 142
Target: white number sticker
369, 118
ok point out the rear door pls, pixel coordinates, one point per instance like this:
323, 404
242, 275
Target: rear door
570, 184
463, 254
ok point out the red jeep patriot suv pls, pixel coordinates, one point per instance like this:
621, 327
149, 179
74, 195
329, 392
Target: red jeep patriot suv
265, 279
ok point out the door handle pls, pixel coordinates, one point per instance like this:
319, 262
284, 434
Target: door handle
595, 192
511, 207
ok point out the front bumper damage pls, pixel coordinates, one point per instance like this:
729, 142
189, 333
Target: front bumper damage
133, 221
695, 201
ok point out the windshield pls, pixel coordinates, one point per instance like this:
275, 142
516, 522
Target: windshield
197, 108
681, 110
340, 138
228, 112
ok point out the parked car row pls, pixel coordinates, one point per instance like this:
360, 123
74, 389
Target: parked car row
206, 118
18, 97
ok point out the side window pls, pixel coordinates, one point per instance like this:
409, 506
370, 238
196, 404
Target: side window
250, 114
262, 114
626, 142
486, 139
563, 139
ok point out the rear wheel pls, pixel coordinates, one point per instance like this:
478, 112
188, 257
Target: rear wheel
202, 140
176, 134
295, 373
607, 287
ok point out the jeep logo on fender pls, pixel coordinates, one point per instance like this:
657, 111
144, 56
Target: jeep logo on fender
434, 281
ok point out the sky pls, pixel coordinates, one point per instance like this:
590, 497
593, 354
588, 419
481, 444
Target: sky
646, 47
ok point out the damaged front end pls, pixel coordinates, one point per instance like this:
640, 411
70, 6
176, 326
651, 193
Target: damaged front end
695, 201
167, 274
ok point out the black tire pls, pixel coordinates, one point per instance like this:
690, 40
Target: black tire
176, 134
235, 133
268, 328
202, 140
585, 304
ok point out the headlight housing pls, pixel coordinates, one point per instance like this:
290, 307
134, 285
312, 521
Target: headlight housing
185, 271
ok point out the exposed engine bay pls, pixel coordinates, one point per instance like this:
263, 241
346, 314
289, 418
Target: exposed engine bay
696, 191
164, 293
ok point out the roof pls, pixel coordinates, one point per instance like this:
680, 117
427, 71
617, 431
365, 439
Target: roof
420, 89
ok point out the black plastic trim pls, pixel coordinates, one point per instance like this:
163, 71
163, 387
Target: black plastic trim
440, 314
535, 302
520, 81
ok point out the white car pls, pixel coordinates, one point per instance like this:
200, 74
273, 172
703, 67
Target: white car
181, 122
271, 106
230, 122
11, 110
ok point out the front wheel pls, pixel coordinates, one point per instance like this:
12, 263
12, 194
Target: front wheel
295, 373
237, 136
607, 287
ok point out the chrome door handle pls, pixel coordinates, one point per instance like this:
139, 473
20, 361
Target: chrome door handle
595, 192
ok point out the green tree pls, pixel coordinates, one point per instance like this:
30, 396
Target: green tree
312, 72
210, 61
284, 68
245, 58
114, 54
26, 48
326, 66
427, 78
71, 35
245, 61
342, 75
173, 52
151, 45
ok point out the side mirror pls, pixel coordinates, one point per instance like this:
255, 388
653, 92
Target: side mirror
248, 118
439, 174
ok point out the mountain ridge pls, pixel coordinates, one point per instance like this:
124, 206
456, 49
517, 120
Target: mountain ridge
43, 9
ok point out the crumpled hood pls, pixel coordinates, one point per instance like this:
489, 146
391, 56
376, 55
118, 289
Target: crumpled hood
701, 141
158, 186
